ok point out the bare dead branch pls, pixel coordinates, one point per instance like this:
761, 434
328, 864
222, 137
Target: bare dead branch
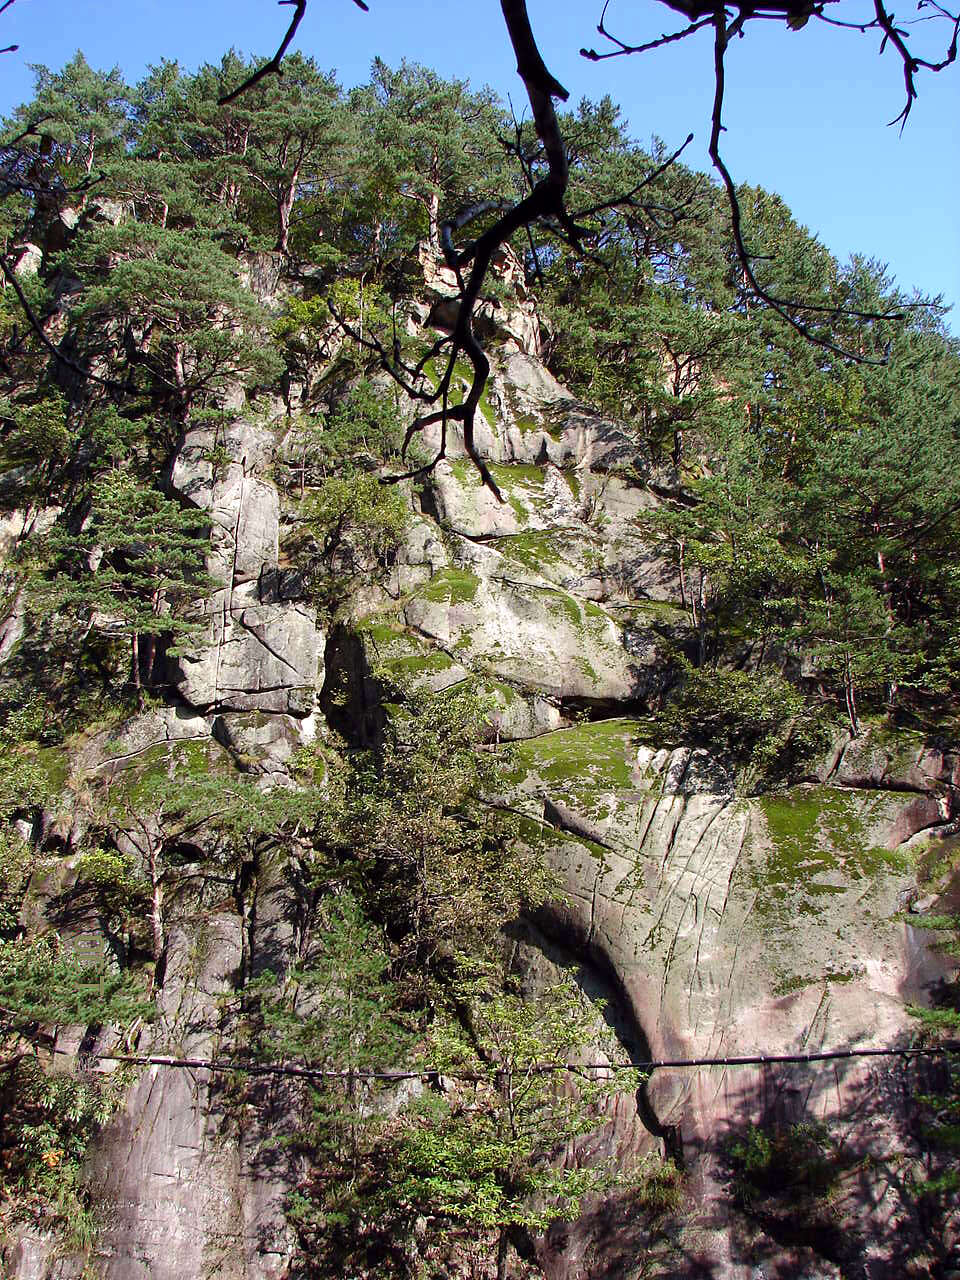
783, 308
629, 196
622, 48
795, 13
545, 200
912, 64
404, 375
273, 66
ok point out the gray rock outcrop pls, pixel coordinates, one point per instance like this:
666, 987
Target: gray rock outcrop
715, 923
264, 649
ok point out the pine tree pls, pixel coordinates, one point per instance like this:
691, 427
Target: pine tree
172, 302
138, 559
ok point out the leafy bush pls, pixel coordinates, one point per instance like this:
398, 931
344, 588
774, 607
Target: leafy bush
353, 524
799, 1161
49, 1112
443, 869
48, 1121
361, 430
757, 719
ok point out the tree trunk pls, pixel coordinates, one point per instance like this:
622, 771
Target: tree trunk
503, 1248
892, 687
433, 213
156, 905
285, 207
151, 658
180, 382
850, 695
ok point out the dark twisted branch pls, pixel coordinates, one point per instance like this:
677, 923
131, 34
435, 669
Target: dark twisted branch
273, 66
785, 309
622, 48
629, 197
795, 13
545, 200
911, 63
10, 48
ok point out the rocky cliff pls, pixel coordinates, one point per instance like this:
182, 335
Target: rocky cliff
715, 920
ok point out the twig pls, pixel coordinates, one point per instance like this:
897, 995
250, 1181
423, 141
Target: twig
912, 64
639, 48
783, 308
629, 196
273, 67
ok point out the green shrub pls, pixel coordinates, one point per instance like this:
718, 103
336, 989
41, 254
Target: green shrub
50, 1110
352, 525
757, 719
800, 1162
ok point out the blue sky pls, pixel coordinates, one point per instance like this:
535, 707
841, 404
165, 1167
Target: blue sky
805, 112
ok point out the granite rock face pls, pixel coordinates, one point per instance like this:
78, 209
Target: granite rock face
715, 923
264, 649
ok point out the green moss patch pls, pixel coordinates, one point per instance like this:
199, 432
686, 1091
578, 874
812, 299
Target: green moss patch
401, 653
525, 423
583, 615
451, 586
573, 483
420, 664
54, 764
187, 761
460, 385
522, 486
580, 766
820, 846
505, 694
535, 549
833, 977
659, 610
382, 634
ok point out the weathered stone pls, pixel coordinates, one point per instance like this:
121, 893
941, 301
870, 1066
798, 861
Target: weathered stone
262, 648
257, 740
114, 749
259, 655
544, 638
26, 259
178, 1192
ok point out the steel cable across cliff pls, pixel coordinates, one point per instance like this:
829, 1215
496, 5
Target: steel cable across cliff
220, 1065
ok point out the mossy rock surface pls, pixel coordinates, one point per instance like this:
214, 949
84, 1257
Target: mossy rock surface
187, 761
536, 549
460, 384
408, 658
584, 766
451, 586
527, 633
54, 763
822, 842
